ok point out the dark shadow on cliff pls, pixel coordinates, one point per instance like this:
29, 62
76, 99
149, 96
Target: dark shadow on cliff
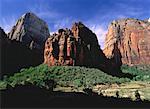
32, 96
94, 56
113, 64
15, 56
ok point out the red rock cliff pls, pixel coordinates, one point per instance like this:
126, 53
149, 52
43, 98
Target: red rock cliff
128, 40
60, 49
78, 46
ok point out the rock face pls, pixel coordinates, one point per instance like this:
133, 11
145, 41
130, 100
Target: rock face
2, 36
128, 42
60, 49
30, 30
78, 46
15, 55
23, 46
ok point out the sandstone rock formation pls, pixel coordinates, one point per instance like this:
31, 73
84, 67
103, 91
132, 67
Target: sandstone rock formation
30, 30
60, 49
24, 44
128, 42
92, 53
78, 46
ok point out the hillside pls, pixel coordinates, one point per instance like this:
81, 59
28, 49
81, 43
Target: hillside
62, 75
70, 79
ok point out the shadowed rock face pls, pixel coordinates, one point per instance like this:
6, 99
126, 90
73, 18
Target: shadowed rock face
30, 30
78, 46
15, 55
131, 37
93, 55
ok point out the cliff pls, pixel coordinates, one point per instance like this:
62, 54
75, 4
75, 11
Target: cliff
15, 55
78, 46
127, 41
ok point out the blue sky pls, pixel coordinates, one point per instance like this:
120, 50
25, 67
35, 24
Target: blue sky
96, 14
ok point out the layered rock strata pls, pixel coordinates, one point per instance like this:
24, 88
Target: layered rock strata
78, 46
128, 41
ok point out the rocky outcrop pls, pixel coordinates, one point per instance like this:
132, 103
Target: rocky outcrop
3, 35
24, 44
78, 46
60, 49
30, 30
92, 53
128, 42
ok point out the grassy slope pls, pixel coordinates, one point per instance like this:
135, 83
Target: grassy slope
62, 75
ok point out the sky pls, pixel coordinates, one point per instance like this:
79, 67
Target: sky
96, 14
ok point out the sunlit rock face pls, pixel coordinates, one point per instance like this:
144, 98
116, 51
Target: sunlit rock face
30, 30
78, 46
131, 38
60, 49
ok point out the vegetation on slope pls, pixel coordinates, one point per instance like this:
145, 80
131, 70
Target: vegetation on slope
74, 76
140, 72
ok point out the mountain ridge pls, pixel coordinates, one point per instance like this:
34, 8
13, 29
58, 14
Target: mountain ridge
36, 34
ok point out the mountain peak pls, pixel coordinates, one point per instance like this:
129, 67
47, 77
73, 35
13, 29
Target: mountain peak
30, 30
30, 15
